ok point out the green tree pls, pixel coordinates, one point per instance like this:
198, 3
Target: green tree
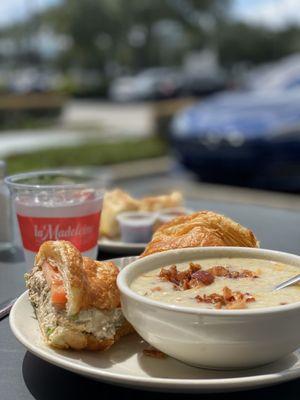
87, 22
240, 42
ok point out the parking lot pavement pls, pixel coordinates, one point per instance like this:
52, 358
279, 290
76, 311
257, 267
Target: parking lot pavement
82, 121
132, 119
13, 142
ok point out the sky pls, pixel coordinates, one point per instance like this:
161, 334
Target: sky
272, 13
15, 10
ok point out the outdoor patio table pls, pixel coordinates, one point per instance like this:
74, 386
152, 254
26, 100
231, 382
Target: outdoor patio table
25, 376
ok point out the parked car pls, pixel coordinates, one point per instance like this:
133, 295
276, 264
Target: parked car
203, 74
165, 83
32, 80
246, 138
203, 85
150, 84
281, 75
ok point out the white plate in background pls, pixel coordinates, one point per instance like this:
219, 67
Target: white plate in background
119, 247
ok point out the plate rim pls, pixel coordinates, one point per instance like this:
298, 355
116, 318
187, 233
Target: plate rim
213, 384
119, 244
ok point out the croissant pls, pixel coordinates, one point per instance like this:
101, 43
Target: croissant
203, 228
76, 299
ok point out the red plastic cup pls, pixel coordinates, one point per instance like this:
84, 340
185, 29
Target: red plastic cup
57, 205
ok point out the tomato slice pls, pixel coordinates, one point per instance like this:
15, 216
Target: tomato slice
54, 280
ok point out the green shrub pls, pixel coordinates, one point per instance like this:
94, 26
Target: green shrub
89, 154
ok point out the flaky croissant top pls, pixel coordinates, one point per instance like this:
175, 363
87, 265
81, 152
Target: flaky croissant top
203, 228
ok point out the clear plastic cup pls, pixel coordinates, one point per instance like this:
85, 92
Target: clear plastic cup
58, 205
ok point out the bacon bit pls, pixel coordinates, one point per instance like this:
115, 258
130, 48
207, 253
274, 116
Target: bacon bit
220, 271
184, 280
213, 298
229, 299
156, 289
203, 276
152, 352
194, 276
228, 295
194, 266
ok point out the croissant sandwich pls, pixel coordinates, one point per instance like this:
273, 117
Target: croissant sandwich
203, 228
76, 299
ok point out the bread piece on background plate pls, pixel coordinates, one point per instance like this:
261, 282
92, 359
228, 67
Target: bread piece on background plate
118, 201
155, 203
115, 202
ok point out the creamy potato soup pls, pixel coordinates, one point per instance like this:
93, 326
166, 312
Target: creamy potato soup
221, 283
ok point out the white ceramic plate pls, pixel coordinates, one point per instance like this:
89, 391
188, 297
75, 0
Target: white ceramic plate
125, 364
119, 247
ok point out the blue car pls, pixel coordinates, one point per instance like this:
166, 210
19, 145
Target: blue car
249, 138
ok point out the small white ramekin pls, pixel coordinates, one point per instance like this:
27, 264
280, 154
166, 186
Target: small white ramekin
136, 226
219, 339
